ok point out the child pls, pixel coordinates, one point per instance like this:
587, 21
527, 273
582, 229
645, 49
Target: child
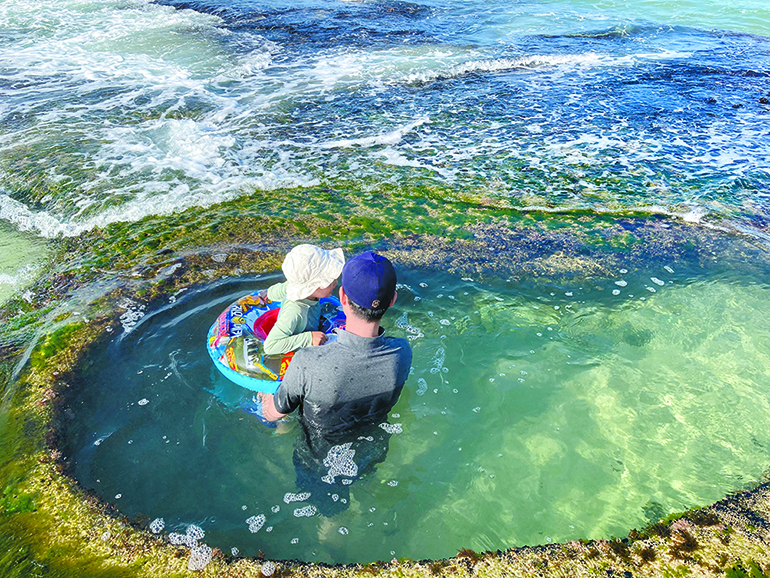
311, 274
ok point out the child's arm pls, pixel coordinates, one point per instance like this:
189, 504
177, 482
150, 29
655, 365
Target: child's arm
288, 333
277, 292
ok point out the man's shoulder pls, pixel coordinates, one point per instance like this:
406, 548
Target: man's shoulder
398, 343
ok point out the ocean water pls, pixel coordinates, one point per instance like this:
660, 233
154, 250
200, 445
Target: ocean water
116, 110
591, 418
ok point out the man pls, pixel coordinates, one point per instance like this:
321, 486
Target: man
357, 379
345, 389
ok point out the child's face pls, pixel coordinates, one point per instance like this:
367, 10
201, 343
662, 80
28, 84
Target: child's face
322, 292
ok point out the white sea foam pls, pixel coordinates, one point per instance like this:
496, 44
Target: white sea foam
290, 497
200, 556
388, 138
339, 461
306, 512
392, 428
157, 525
255, 523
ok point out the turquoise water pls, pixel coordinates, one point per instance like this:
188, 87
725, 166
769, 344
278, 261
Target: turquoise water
113, 111
596, 411
534, 413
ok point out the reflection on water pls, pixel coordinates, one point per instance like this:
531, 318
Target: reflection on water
534, 413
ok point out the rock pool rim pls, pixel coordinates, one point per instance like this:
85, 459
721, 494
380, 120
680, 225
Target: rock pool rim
465, 558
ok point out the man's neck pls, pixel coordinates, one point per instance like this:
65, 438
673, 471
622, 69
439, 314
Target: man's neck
361, 327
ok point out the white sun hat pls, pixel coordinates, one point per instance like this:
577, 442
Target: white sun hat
308, 267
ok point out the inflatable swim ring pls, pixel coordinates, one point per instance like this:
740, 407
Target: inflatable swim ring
235, 340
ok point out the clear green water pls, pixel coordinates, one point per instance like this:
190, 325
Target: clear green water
534, 413
21, 259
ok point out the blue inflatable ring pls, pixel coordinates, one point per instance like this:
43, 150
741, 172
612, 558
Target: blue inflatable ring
235, 340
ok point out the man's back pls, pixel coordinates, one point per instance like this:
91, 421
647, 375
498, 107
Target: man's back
346, 385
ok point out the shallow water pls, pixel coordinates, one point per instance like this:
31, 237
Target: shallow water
533, 414
21, 260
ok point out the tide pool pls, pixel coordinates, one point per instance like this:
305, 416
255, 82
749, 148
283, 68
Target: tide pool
534, 414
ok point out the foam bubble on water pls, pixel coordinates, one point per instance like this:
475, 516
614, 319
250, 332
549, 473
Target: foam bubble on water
392, 428
388, 138
438, 360
657, 281
234, 551
669, 269
306, 512
256, 522
346, 482
267, 569
616, 291
343, 530
200, 556
295, 541
339, 461
694, 215
393, 483
289, 497
621, 283
195, 532
445, 322
275, 509
143, 401
157, 525
651, 289
412, 331
177, 539
335, 497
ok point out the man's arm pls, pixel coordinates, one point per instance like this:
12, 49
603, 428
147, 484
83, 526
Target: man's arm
268, 407
290, 392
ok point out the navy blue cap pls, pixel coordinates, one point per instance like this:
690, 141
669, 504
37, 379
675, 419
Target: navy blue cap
369, 280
